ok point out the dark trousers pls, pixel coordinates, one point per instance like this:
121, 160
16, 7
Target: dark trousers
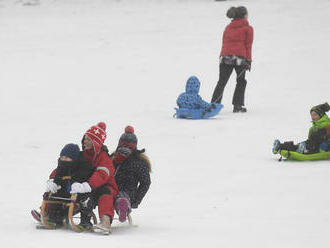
225, 72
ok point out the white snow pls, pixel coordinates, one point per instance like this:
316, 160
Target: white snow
68, 64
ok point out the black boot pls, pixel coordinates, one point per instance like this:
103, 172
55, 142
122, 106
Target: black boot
86, 211
239, 109
85, 221
56, 215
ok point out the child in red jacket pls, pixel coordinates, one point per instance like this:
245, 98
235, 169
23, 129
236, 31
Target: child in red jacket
102, 183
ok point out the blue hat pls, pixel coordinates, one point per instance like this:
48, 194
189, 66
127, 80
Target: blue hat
71, 150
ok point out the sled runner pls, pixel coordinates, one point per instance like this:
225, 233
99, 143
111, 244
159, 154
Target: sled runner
196, 114
304, 157
70, 205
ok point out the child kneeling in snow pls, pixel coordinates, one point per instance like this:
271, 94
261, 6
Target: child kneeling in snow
132, 173
192, 103
318, 136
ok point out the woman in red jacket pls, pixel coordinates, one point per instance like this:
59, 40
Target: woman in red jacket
235, 54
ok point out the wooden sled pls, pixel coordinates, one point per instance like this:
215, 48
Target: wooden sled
73, 208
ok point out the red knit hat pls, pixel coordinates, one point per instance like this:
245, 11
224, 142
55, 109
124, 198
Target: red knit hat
128, 139
98, 135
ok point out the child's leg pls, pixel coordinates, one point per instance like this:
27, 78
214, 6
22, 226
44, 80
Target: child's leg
56, 214
288, 145
104, 199
86, 210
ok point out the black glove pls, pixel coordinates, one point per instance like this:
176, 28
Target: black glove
134, 205
105, 148
248, 64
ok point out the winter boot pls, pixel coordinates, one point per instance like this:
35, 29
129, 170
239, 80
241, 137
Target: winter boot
56, 215
36, 215
122, 208
276, 146
85, 222
104, 226
239, 109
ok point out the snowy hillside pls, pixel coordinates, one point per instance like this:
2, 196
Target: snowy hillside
68, 64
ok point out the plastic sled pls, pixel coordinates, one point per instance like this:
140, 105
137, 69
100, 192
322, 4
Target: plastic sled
290, 155
195, 114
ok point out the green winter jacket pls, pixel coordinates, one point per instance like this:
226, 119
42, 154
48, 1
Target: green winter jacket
321, 123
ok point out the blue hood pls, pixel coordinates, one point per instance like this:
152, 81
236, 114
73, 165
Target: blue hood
192, 86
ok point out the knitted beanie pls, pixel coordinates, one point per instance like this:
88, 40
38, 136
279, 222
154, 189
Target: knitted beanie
237, 12
70, 151
128, 139
321, 109
98, 135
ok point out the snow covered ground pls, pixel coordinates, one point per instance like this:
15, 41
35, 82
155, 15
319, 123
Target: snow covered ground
68, 64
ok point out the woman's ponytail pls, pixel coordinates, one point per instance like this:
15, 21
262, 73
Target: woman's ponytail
232, 12
236, 12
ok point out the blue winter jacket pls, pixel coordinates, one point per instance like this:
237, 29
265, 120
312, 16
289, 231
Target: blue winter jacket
190, 99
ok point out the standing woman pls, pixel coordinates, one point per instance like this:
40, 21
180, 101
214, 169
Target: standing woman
235, 54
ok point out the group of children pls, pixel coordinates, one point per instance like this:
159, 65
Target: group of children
116, 182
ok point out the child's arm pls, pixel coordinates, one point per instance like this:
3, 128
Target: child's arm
319, 135
143, 176
203, 104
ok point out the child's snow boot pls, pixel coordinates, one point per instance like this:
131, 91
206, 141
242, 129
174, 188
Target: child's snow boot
85, 222
36, 215
122, 207
104, 226
276, 146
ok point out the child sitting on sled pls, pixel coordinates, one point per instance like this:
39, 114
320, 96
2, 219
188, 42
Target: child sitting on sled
71, 168
318, 135
132, 173
192, 106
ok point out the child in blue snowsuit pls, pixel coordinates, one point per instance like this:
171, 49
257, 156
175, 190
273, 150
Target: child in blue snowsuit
193, 103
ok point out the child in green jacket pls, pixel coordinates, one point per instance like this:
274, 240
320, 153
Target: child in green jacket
318, 138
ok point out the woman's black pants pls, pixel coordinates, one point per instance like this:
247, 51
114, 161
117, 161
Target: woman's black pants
225, 72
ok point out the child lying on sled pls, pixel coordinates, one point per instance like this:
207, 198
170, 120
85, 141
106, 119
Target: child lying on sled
318, 135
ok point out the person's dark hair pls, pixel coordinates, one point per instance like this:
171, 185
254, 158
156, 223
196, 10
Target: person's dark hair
321, 109
236, 12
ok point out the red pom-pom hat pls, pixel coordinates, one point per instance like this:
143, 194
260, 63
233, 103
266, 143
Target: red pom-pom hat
98, 135
128, 139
